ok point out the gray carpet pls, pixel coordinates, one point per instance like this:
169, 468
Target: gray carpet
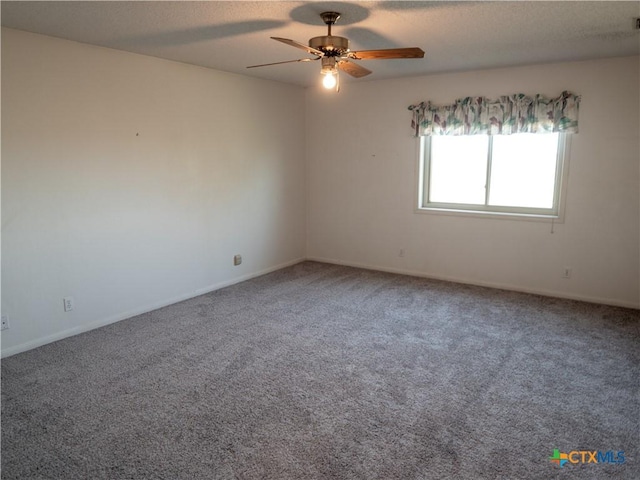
320, 371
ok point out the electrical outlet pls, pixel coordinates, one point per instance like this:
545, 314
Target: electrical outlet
68, 304
5, 322
401, 252
237, 260
566, 272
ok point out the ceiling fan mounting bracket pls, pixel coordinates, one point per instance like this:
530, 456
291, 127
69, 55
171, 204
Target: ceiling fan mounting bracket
330, 17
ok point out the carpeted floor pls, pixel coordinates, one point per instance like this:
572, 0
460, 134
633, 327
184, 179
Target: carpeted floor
320, 371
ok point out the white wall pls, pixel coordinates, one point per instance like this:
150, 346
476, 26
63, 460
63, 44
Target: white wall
361, 186
129, 182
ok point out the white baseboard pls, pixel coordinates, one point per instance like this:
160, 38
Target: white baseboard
23, 347
501, 286
7, 352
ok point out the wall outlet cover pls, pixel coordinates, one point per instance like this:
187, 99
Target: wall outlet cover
68, 303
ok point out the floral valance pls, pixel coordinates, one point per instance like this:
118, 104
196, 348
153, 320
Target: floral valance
503, 116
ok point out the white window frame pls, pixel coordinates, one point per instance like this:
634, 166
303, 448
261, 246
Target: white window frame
556, 213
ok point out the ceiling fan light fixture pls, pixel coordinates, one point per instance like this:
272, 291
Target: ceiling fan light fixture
329, 72
330, 80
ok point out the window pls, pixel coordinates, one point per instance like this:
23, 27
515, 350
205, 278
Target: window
519, 174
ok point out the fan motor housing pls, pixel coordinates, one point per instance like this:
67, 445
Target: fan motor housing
331, 45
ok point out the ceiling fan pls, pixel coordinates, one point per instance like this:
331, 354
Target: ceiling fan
335, 55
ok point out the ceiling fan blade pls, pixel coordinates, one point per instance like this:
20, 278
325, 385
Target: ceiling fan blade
413, 52
293, 43
353, 69
287, 61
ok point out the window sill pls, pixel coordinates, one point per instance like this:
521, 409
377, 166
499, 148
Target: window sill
493, 215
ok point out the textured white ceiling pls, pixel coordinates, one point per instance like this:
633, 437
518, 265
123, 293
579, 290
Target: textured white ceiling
230, 35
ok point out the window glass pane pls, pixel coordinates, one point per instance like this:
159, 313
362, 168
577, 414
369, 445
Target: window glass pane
458, 170
523, 170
